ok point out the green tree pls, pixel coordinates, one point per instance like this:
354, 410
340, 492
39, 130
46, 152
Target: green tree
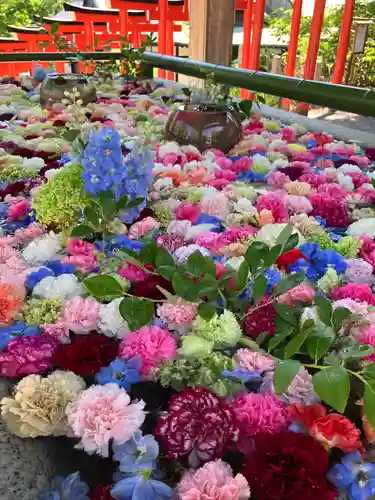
26, 12
364, 65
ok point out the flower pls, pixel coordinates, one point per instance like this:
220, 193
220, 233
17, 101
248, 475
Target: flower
198, 425
222, 330
81, 315
288, 466
151, 344
259, 413
120, 372
299, 391
39, 404
359, 271
176, 315
41, 249
70, 487
355, 476
11, 301
61, 287
261, 319
110, 321
102, 413
139, 453
305, 415
301, 293
140, 487
213, 481
18, 329
25, 355
254, 361
360, 292
58, 331
86, 355
336, 431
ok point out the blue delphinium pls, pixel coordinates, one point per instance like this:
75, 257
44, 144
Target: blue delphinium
68, 488
355, 476
273, 278
18, 329
141, 487
139, 453
123, 373
242, 375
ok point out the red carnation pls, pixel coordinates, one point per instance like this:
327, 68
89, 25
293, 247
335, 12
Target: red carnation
198, 425
305, 415
86, 354
262, 319
101, 493
289, 258
148, 290
288, 466
336, 431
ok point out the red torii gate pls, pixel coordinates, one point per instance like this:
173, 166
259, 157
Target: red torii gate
12, 45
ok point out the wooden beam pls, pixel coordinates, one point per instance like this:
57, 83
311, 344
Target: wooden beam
211, 30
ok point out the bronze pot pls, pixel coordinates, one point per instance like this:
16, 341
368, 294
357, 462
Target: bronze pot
205, 126
53, 88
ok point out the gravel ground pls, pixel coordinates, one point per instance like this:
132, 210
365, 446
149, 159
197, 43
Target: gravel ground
350, 120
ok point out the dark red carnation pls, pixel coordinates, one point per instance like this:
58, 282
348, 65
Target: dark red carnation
262, 319
289, 258
101, 493
288, 466
198, 425
13, 189
86, 354
148, 288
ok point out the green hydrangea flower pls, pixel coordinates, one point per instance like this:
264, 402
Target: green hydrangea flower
323, 239
61, 200
329, 280
39, 311
348, 246
222, 330
163, 214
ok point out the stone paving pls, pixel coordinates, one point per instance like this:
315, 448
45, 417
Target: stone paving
350, 120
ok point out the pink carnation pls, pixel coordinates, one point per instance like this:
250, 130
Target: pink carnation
216, 205
254, 361
81, 315
367, 251
367, 336
226, 174
242, 165
152, 344
187, 211
288, 134
223, 162
360, 292
19, 210
133, 273
213, 481
298, 204
330, 209
103, 413
58, 331
29, 233
142, 227
333, 190
259, 413
179, 314
25, 355
82, 255
276, 178
301, 293
275, 205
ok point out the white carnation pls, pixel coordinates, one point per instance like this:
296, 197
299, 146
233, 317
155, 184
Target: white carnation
33, 163
111, 323
42, 249
63, 287
169, 147
362, 226
345, 181
243, 206
346, 168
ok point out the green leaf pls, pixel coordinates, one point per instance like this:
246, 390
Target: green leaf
70, 135
288, 282
148, 253
245, 106
136, 312
184, 286
369, 371
286, 313
357, 351
207, 310
164, 258
285, 234
54, 28
284, 374
92, 217
255, 253
319, 342
271, 257
243, 274
259, 288
121, 204
134, 203
166, 271
339, 316
82, 231
369, 403
102, 286
198, 265
297, 342
324, 308
107, 204
207, 285
284, 330
291, 243
262, 337
333, 386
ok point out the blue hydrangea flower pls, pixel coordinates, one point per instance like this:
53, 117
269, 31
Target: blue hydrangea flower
58, 268
250, 176
68, 488
141, 487
210, 219
318, 261
140, 453
18, 329
117, 242
242, 375
354, 476
123, 373
273, 278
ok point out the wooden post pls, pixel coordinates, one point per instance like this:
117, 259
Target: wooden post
211, 30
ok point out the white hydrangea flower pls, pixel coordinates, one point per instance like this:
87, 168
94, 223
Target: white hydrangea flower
345, 181
179, 227
182, 254
111, 323
262, 162
62, 287
243, 206
235, 262
169, 147
270, 232
362, 226
33, 163
347, 167
41, 249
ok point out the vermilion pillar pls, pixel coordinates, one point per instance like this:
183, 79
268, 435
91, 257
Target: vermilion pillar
246, 45
259, 10
315, 32
162, 42
293, 44
344, 41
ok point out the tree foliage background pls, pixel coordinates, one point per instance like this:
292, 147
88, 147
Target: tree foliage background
364, 65
26, 12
